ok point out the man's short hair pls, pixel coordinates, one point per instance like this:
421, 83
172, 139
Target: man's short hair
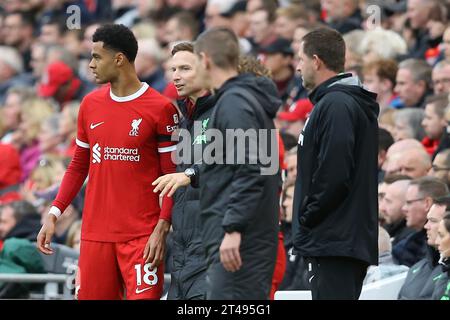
384, 69
440, 103
385, 139
183, 46
430, 187
391, 178
420, 70
186, 19
328, 45
21, 209
117, 37
222, 45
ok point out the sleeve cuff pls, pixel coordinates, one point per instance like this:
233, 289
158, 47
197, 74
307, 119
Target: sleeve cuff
55, 211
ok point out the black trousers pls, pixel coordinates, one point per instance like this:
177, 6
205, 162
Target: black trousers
335, 278
252, 282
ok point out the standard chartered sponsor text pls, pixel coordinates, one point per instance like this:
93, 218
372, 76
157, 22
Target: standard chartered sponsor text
121, 154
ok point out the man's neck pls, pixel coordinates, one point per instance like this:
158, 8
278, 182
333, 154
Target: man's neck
323, 76
194, 97
126, 84
220, 76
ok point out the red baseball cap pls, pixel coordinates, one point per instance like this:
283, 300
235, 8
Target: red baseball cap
56, 74
298, 111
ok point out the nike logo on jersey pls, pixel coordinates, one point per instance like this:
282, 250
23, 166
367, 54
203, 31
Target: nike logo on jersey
93, 126
142, 290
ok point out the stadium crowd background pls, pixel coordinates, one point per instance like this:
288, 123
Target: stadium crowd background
399, 49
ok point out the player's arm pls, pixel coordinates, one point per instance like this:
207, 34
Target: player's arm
71, 184
155, 248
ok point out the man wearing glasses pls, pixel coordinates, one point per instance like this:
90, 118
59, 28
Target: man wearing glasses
419, 199
441, 166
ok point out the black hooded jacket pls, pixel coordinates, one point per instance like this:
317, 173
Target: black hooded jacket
189, 266
335, 200
237, 197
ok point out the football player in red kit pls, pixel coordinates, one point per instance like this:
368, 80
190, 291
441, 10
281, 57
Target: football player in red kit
123, 144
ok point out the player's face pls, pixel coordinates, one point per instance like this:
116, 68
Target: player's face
103, 64
184, 66
306, 69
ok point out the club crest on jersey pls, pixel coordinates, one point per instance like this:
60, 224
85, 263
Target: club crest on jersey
134, 132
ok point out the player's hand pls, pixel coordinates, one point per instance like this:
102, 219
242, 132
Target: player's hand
156, 244
45, 235
229, 251
169, 183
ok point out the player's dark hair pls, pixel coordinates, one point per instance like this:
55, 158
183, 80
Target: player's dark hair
118, 38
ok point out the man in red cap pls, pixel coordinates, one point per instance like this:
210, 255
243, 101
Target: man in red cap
60, 82
292, 121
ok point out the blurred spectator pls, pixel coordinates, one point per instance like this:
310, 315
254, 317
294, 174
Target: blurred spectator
74, 235
214, 13
342, 15
18, 33
49, 137
394, 154
148, 64
446, 44
261, 29
60, 82
11, 111
58, 8
379, 77
408, 124
277, 57
68, 127
296, 276
393, 45
10, 173
442, 289
441, 166
441, 77
385, 140
353, 55
11, 68
291, 166
418, 14
414, 163
181, 27
420, 281
52, 30
419, 199
19, 219
434, 122
391, 210
34, 112
293, 120
413, 82
386, 267
288, 19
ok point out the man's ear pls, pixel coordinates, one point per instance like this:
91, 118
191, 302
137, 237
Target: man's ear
317, 62
205, 61
119, 59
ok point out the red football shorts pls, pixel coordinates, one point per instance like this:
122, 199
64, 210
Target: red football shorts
116, 270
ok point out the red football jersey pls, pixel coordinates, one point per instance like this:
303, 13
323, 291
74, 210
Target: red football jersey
125, 136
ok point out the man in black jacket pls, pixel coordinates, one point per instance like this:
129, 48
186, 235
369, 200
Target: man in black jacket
335, 200
239, 201
188, 271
